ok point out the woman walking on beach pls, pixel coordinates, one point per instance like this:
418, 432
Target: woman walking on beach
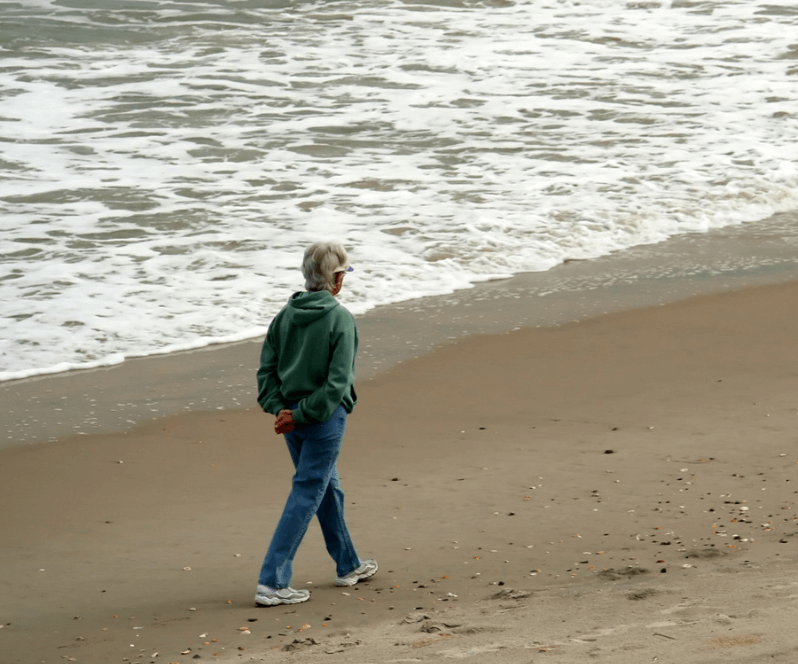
306, 379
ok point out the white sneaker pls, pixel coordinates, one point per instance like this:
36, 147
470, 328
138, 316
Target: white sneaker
367, 569
270, 597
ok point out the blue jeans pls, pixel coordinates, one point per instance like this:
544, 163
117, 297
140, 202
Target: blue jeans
316, 490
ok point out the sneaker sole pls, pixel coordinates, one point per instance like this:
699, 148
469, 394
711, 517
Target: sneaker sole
351, 582
276, 601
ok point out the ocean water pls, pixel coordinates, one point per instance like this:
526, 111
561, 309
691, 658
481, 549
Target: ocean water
164, 163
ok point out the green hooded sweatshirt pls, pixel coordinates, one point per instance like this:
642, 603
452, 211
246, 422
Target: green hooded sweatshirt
308, 358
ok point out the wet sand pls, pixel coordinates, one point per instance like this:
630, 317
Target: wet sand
621, 489
221, 377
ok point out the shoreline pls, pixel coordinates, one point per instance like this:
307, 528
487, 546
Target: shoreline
636, 469
221, 377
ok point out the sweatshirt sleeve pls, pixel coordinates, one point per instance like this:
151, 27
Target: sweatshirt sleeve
319, 406
268, 381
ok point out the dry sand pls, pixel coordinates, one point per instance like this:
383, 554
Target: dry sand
621, 489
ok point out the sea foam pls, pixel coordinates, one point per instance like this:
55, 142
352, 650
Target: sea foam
165, 164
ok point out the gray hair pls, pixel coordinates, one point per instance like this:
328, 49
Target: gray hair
322, 260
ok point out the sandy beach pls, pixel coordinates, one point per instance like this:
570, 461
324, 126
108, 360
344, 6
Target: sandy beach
620, 489
573, 235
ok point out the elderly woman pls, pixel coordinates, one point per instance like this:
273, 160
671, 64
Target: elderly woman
306, 379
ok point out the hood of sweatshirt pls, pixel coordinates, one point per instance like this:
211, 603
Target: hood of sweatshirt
309, 306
